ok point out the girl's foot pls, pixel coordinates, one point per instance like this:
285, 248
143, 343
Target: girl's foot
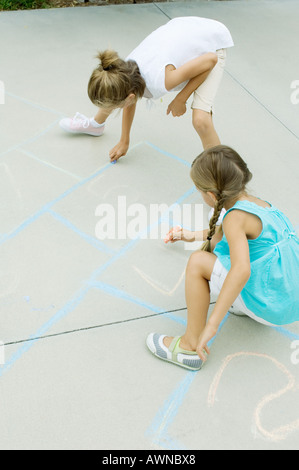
173, 353
167, 340
81, 124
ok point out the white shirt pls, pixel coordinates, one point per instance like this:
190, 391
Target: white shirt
177, 42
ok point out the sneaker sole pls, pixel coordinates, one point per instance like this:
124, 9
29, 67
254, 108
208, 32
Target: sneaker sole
79, 132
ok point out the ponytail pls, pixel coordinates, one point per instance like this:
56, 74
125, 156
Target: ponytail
108, 60
114, 80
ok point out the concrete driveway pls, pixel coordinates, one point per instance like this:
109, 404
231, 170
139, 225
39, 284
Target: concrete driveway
75, 310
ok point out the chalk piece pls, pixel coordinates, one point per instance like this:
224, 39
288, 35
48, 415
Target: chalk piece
114, 162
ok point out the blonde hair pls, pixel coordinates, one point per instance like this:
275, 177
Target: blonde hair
114, 80
221, 171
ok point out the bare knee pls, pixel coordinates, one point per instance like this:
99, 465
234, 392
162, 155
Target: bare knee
201, 263
202, 122
196, 263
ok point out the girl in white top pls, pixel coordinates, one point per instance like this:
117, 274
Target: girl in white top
186, 55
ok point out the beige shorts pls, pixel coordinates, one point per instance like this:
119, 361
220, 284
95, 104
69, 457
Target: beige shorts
238, 308
204, 96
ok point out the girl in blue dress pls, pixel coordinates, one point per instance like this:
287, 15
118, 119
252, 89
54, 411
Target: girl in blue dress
250, 263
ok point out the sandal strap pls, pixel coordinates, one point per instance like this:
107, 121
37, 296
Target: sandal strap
175, 349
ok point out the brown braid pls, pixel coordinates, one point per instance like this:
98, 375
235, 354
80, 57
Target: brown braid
213, 223
221, 171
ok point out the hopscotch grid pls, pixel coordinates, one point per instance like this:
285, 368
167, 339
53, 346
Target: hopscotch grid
122, 251
34, 105
162, 432
50, 204
79, 296
72, 303
48, 164
85, 236
168, 154
185, 385
31, 139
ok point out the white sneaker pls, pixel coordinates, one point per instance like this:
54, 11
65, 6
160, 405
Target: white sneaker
220, 220
81, 124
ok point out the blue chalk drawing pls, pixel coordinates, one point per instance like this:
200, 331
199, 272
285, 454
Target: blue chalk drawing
159, 430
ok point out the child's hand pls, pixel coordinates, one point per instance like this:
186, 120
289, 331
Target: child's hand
177, 108
178, 233
118, 151
202, 348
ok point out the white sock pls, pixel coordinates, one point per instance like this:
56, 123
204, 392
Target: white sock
95, 123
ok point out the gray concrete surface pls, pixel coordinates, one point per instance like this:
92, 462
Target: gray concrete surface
75, 311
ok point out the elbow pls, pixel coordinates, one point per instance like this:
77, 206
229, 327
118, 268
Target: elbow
243, 273
213, 59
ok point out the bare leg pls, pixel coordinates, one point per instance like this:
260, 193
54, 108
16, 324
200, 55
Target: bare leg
102, 115
198, 275
203, 124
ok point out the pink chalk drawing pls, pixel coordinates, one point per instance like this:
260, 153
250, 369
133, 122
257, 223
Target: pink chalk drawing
279, 433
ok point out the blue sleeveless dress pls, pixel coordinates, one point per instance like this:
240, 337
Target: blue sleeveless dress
272, 292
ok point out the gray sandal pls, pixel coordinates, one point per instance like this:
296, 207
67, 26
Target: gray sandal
187, 359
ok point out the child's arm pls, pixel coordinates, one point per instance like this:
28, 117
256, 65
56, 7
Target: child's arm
127, 120
178, 106
195, 72
179, 233
193, 68
237, 278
